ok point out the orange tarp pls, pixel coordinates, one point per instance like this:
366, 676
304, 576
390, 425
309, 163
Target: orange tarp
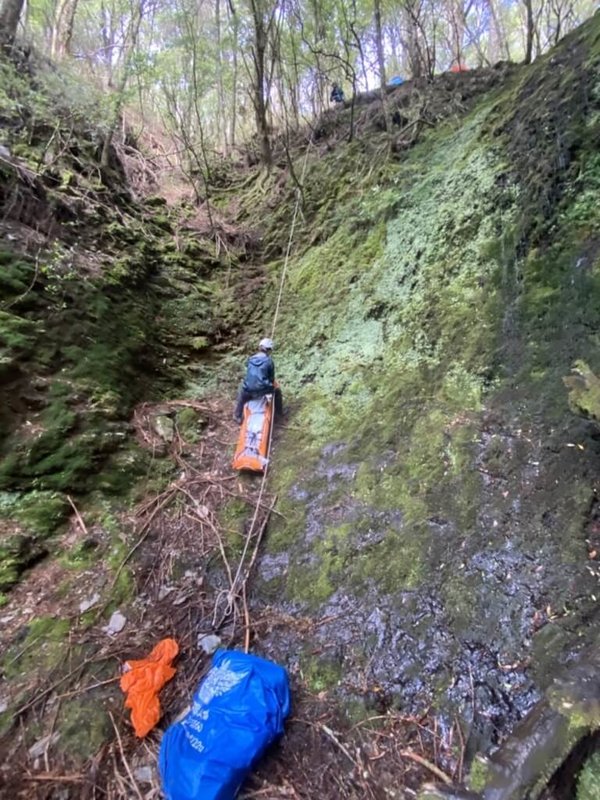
143, 681
252, 449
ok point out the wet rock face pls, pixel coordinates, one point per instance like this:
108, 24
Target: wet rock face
550, 735
472, 618
400, 633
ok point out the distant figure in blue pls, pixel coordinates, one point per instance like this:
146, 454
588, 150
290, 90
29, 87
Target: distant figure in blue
259, 380
397, 80
337, 94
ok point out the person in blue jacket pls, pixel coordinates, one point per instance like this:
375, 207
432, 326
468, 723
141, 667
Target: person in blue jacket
337, 94
259, 380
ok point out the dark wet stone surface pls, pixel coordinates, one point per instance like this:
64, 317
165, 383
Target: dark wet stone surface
463, 638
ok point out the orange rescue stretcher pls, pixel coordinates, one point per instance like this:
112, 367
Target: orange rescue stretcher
252, 451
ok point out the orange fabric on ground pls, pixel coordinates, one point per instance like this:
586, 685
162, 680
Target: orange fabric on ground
144, 680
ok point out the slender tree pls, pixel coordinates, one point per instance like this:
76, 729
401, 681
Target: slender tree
135, 22
381, 63
529, 30
263, 19
62, 30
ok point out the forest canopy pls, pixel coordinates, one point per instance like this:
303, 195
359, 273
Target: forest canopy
212, 73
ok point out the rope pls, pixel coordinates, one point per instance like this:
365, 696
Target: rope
231, 595
290, 239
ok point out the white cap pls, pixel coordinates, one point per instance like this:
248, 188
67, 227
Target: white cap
265, 344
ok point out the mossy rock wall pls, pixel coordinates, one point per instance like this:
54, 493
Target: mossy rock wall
101, 305
435, 484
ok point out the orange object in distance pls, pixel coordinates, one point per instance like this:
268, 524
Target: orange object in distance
142, 682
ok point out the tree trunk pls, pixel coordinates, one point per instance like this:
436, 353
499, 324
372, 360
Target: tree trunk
221, 111
381, 64
233, 120
458, 19
120, 93
259, 50
415, 60
499, 34
10, 14
62, 30
529, 31
108, 42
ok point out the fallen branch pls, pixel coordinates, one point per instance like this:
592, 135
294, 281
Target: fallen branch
45, 776
124, 760
336, 741
78, 516
427, 764
169, 495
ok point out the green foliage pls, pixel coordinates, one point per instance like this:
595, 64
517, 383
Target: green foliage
60, 96
584, 391
320, 674
17, 337
588, 784
38, 512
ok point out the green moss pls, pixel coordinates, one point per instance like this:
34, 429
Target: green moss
123, 469
233, 516
124, 589
157, 476
33, 516
41, 650
479, 774
584, 391
82, 556
588, 783
90, 716
39, 512
320, 674
17, 553
395, 564
286, 527
424, 299
189, 424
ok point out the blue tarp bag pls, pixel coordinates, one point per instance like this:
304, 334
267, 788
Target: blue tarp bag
238, 710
